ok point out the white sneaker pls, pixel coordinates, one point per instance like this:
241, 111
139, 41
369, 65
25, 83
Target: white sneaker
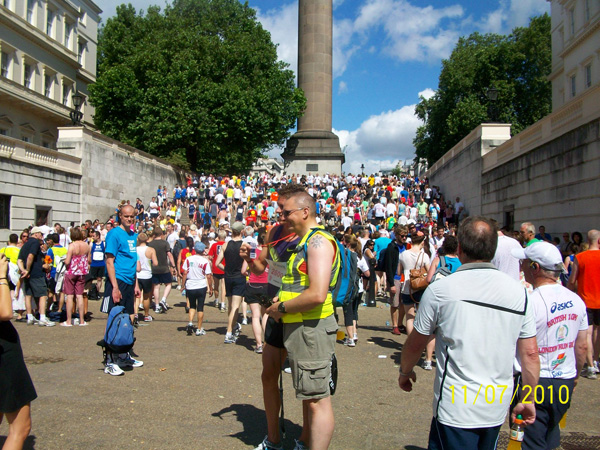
200, 332
349, 342
596, 368
128, 361
113, 369
46, 323
427, 365
244, 321
266, 445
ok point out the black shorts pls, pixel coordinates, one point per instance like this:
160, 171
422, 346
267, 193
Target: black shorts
593, 316
218, 276
235, 286
196, 298
162, 278
274, 333
127, 295
51, 283
145, 285
35, 287
97, 272
256, 293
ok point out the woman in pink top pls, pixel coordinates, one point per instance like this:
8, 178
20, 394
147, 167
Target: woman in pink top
78, 266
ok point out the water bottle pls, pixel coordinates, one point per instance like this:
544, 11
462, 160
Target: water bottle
252, 250
516, 434
387, 324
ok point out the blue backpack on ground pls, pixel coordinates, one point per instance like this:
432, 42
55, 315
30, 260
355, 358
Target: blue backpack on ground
118, 337
346, 286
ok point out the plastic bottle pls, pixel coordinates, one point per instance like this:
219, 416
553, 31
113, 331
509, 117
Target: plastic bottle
563, 421
387, 324
516, 434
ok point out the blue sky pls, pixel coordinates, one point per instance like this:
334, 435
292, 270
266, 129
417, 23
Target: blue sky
386, 54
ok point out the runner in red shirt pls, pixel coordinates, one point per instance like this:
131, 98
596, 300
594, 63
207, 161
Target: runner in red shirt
218, 274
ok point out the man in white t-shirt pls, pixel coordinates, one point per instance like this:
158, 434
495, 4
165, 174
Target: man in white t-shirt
561, 323
503, 258
481, 318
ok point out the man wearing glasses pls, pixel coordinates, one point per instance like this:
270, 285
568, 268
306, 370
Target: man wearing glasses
121, 287
392, 255
306, 308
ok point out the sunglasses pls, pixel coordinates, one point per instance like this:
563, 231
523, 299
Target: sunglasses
286, 213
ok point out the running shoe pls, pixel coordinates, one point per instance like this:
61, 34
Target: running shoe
258, 349
46, 323
128, 361
141, 307
200, 332
267, 445
148, 318
229, 339
355, 337
427, 365
244, 321
158, 310
396, 331
164, 305
190, 329
32, 321
300, 445
596, 368
113, 369
349, 342
136, 322
589, 373
237, 330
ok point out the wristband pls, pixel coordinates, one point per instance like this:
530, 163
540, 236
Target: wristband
406, 374
3, 278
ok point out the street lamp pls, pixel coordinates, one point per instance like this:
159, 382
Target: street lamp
77, 115
492, 95
362, 170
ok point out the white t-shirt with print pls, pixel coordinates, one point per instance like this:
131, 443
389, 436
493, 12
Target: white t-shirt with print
197, 268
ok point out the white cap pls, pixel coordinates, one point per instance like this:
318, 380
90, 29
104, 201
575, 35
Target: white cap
543, 253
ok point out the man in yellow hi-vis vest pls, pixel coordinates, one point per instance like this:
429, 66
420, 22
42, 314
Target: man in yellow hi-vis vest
306, 308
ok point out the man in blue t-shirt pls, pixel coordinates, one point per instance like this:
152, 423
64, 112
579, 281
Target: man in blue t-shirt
121, 285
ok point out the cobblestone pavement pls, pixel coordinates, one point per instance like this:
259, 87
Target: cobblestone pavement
196, 392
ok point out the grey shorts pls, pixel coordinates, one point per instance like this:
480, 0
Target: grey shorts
36, 287
310, 346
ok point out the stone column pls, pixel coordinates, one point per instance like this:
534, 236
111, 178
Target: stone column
314, 148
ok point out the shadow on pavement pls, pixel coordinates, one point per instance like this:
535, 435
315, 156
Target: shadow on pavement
29, 442
413, 447
255, 424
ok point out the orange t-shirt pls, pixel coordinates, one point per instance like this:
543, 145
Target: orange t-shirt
588, 278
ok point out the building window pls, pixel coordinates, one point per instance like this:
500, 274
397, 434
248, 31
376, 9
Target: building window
49, 22
80, 52
3, 132
4, 211
27, 75
587, 10
68, 27
25, 138
65, 94
42, 215
48, 85
4, 65
573, 85
588, 76
30, 8
572, 21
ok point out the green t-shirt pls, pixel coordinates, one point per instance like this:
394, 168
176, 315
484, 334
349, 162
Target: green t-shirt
533, 241
422, 208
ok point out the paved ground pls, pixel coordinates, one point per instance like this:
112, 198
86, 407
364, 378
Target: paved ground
196, 392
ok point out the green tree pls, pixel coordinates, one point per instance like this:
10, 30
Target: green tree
517, 65
198, 84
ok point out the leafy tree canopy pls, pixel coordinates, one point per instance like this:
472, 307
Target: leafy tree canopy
517, 65
198, 84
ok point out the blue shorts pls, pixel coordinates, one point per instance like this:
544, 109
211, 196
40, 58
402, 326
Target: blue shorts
445, 437
127, 295
162, 278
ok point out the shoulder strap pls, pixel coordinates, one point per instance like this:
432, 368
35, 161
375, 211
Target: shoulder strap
443, 261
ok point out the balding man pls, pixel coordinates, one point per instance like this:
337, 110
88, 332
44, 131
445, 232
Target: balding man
585, 280
306, 309
480, 318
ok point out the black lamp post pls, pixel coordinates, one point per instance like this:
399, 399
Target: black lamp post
492, 95
77, 115
362, 170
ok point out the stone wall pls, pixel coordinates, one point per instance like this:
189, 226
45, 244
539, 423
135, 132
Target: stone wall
556, 184
112, 171
36, 180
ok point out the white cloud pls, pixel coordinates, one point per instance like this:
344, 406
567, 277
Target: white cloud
511, 14
342, 87
382, 139
282, 23
427, 93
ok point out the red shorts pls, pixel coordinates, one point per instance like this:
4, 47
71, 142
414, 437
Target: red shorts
73, 284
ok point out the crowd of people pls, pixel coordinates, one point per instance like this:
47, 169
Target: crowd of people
260, 245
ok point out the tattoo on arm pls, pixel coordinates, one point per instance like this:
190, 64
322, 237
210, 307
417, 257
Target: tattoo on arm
316, 241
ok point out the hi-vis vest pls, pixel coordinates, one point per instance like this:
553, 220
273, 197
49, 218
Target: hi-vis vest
59, 252
295, 281
11, 252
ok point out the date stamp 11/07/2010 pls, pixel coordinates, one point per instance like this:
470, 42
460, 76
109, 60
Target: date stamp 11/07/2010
495, 393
